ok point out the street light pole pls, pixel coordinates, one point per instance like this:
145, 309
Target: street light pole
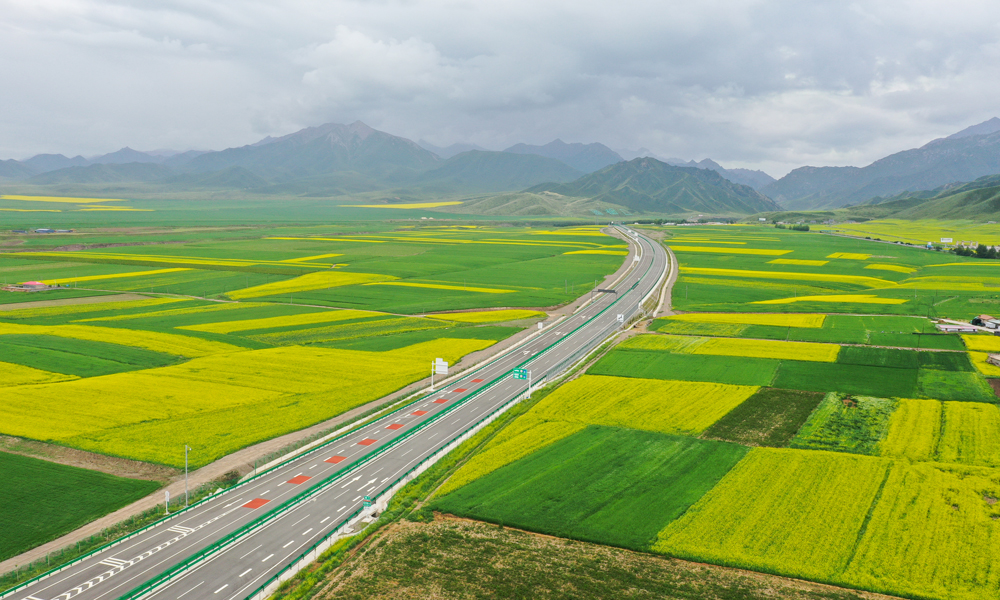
186, 448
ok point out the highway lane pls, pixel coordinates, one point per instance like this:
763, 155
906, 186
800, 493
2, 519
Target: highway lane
254, 558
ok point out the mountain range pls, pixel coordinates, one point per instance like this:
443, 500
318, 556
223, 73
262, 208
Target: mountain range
355, 159
961, 157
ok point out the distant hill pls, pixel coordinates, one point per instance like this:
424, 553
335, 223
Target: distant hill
977, 200
754, 179
449, 151
12, 169
135, 172
585, 158
648, 185
126, 155
42, 163
319, 150
498, 171
964, 156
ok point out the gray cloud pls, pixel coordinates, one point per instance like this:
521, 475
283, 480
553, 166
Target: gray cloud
762, 84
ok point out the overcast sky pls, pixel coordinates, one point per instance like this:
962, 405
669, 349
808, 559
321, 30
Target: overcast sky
759, 84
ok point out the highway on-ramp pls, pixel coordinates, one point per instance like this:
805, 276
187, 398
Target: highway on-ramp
231, 545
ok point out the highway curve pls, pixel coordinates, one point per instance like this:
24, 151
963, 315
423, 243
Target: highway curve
232, 545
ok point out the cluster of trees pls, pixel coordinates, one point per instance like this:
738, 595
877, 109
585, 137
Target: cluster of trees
981, 251
800, 227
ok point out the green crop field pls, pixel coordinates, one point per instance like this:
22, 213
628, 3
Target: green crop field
614, 486
84, 358
734, 370
882, 382
42, 500
850, 424
771, 417
944, 385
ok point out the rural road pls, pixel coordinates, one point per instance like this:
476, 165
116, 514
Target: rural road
233, 545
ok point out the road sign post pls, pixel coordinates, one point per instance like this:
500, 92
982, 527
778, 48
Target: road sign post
166, 502
367, 502
438, 367
524, 374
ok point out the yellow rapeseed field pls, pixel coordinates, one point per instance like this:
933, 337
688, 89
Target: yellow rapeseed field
63, 199
810, 351
441, 286
489, 316
30, 210
982, 343
670, 343
311, 258
65, 280
849, 255
13, 374
987, 369
914, 430
927, 534
178, 345
842, 298
71, 309
872, 282
713, 249
599, 251
891, 267
971, 434
230, 400
776, 319
325, 316
790, 512
798, 261
307, 283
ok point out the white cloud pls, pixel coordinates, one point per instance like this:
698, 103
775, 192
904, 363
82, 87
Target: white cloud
758, 83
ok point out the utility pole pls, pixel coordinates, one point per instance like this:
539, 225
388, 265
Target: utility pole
186, 448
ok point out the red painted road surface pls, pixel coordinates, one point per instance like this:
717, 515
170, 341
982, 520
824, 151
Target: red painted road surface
299, 479
367, 442
256, 503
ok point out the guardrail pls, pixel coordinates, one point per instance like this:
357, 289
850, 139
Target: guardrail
312, 553
214, 548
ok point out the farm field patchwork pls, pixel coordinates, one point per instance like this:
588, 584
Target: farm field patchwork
581, 486
649, 405
822, 273
771, 417
34, 500
855, 424
230, 400
803, 521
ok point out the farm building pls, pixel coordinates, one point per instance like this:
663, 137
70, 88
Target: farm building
28, 286
953, 328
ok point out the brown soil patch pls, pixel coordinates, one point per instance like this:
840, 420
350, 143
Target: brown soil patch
995, 384
122, 467
458, 558
68, 301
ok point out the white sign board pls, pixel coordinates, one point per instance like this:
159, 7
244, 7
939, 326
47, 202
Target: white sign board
440, 367
540, 325
621, 318
945, 240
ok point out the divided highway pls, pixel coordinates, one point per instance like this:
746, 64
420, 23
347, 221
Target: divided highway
256, 529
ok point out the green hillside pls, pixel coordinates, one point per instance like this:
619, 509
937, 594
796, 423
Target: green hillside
650, 186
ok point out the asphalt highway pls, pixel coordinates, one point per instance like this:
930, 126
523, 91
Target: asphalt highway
328, 482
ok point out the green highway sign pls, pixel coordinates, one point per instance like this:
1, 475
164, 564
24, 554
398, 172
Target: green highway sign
520, 373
